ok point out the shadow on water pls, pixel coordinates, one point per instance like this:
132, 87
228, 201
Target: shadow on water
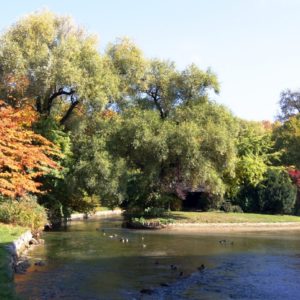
85, 263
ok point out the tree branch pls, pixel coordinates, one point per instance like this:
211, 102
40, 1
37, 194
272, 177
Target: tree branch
60, 92
156, 98
74, 103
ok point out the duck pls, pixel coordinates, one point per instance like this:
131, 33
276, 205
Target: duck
164, 284
173, 267
201, 268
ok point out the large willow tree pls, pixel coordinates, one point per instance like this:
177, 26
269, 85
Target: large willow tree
55, 65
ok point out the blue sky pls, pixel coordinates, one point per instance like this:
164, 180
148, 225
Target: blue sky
252, 45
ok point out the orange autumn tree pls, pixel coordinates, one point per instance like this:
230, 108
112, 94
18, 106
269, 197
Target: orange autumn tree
24, 155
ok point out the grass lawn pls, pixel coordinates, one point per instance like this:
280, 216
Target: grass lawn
8, 234
222, 217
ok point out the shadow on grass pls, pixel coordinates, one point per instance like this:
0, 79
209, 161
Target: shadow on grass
175, 216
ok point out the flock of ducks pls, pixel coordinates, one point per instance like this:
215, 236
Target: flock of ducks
173, 267
121, 239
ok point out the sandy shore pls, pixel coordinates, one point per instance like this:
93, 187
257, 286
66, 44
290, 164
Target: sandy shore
233, 227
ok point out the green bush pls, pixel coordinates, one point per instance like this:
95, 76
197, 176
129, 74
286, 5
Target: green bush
277, 194
154, 212
175, 203
24, 212
229, 207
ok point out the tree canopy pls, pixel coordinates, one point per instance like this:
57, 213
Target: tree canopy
82, 127
49, 62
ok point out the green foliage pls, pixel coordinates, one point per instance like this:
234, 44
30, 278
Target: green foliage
171, 156
49, 60
57, 198
229, 207
139, 132
287, 137
166, 88
255, 153
128, 64
95, 171
276, 193
25, 212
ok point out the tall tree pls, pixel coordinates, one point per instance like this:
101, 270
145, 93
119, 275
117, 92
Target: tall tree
55, 65
157, 84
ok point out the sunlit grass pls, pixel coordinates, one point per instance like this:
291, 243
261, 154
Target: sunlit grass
222, 217
8, 234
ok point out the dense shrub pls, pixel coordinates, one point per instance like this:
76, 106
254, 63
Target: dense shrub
229, 207
24, 212
276, 193
147, 213
248, 199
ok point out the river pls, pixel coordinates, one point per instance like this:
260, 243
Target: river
88, 261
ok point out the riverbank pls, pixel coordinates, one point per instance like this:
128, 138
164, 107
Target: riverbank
8, 234
219, 222
232, 227
100, 213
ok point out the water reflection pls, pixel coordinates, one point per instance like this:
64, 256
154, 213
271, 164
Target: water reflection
83, 263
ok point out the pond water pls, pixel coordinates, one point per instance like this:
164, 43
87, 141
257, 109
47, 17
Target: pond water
82, 262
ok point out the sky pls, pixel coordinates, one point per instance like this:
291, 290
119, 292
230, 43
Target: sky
252, 45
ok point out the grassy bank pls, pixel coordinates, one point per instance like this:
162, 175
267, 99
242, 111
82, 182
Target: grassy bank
221, 217
8, 234
215, 217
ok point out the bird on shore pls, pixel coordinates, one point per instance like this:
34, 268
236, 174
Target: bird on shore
144, 245
173, 267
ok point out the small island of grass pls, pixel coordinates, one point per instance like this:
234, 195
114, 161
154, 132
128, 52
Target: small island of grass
217, 221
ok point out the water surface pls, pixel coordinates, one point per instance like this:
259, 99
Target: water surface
82, 262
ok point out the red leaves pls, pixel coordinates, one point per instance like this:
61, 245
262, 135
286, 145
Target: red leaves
24, 155
295, 176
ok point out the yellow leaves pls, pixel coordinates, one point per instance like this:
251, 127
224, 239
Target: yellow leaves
24, 155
